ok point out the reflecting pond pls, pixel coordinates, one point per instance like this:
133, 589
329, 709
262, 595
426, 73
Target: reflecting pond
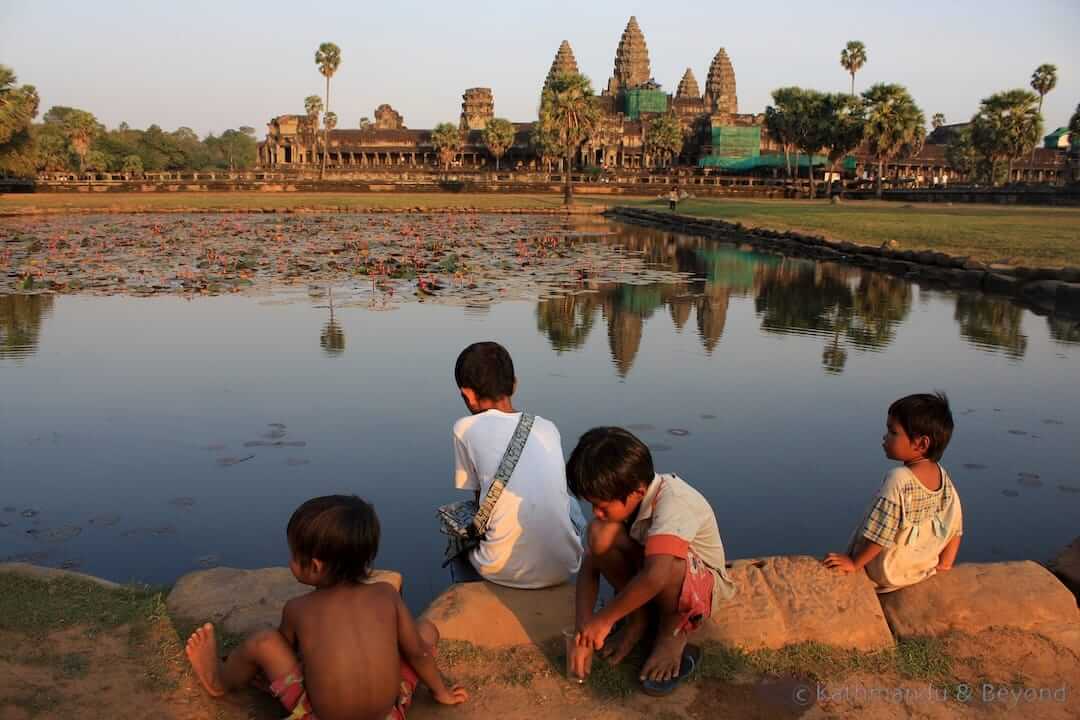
144, 437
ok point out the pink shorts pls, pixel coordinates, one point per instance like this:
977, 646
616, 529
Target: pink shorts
290, 692
695, 598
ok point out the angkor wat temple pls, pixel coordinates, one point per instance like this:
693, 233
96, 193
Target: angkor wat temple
717, 138
712, 125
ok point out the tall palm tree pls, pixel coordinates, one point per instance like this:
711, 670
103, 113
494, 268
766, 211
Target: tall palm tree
1043, 80
1007, 126
664, 138
313, 107
852, 58
498, 137
328, 58
894, 125
569, 115
329, 122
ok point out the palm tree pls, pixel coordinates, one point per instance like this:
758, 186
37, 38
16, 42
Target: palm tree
894, 125
664, 137
1007, 126
568, 114
938, 120
313, 107
1043, 80
498, 137
18, 107
329, 122
852, 58
446, 137
328, 58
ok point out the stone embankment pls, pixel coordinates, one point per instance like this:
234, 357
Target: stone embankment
781, 601
1055, 290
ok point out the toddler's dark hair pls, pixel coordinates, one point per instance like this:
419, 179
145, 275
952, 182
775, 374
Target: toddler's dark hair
485, 368
608, 463
925, 414
342, 531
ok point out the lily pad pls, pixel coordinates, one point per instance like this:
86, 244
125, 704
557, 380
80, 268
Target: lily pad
678, 432
1018, 432
55, 535
105, 520
228, 461
29, 513
708, 416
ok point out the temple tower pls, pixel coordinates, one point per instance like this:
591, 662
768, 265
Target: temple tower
563, 63
688, 87
387, 118
631, 61
720, 86
477, 107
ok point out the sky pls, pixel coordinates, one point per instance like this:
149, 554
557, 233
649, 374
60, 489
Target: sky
228, 63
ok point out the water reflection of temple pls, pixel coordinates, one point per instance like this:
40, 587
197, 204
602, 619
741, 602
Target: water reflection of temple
21, 317
849, 308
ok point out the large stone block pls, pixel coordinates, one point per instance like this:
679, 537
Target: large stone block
785, 600
975, 597
492, 616
241, 601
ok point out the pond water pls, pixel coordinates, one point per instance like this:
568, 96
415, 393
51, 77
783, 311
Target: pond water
145, 437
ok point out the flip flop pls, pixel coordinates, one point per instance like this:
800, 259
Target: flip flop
691, 660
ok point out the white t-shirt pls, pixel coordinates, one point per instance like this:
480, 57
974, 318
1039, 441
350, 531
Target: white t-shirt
533, 538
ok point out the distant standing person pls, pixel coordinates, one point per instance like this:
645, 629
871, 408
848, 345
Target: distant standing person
673, 199
533, 536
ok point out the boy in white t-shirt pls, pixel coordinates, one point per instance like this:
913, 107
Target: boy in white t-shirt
533, 536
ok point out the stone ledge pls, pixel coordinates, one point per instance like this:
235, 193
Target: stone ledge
976, 597
492, 616
241, 601
1067, 566
791, 599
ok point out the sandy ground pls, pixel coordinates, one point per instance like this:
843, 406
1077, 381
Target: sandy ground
127, 673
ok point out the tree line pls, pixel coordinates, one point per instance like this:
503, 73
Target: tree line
69, 139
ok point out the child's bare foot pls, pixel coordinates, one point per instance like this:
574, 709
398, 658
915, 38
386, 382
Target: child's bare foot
666, 657
202, 652
623, 642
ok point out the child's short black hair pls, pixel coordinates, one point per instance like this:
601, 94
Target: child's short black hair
925, 414
485, 368
342, 531
608, 463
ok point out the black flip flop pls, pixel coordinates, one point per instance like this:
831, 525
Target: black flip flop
691, 661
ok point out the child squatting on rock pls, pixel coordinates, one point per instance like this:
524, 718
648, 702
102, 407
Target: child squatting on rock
362, 652
655, 539
913, 527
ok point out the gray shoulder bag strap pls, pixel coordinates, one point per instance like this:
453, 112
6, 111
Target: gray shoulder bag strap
502, 475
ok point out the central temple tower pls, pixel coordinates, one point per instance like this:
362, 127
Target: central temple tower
631, 61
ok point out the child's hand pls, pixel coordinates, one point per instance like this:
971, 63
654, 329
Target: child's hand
452, 696
593, 633
838, 561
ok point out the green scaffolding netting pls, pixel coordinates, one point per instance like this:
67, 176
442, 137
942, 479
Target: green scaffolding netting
641, 100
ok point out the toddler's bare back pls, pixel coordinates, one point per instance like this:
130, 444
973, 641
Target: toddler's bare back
348, 643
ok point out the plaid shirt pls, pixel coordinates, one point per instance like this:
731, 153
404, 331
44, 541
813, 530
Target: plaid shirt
915, 505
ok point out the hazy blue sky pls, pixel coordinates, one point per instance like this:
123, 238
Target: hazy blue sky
221, 64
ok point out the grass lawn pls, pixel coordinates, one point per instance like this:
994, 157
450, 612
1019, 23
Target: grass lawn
1024, 235
163, 201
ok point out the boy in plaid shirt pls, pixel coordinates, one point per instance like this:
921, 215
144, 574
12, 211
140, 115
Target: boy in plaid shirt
913, 528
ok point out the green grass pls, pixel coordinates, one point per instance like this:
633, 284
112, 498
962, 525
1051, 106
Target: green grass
912, 658
210, 201
35, 607
1018, 235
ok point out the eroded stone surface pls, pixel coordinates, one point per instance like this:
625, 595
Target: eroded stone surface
241, 601
492, 616
974, 597
1067, 565
791, 599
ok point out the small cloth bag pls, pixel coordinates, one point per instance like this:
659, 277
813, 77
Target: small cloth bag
463, 522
